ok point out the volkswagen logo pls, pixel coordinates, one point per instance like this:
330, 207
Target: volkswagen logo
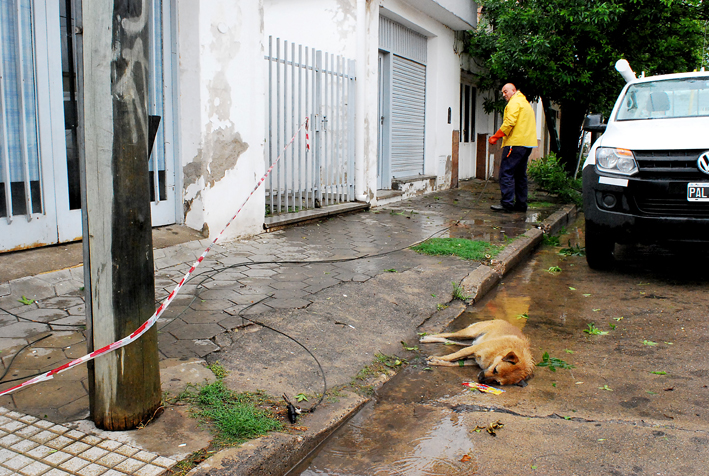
703, 162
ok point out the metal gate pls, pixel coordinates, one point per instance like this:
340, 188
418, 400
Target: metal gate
304, 82
40, 200
402, 102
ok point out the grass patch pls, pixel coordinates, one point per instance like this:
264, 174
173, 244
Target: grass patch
466, 249
538, 205
236, 417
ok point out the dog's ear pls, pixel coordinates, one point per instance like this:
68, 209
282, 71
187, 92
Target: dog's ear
511, 357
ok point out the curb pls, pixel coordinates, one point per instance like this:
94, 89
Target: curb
478, 283
277, 453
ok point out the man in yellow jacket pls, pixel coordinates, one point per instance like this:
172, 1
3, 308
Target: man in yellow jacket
519, 136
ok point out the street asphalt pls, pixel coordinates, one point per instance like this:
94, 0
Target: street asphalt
346, 288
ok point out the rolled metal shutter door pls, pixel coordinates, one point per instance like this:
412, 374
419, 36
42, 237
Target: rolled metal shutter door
408, 112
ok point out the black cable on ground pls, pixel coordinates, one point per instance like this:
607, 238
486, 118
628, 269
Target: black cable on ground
37, 322
292, 410
7, 369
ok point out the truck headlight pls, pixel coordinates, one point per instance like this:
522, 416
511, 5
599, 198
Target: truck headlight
617, 161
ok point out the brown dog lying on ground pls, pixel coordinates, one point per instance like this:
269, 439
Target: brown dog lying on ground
498, 347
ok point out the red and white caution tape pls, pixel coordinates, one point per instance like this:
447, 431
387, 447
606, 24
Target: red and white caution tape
153, 319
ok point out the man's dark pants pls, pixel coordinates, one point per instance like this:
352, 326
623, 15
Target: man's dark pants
513, 176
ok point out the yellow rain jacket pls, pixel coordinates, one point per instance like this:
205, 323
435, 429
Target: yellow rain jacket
519, 125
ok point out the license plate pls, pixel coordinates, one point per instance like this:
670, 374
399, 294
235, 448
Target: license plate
698, 192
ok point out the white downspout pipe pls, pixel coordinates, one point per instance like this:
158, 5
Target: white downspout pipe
361, 73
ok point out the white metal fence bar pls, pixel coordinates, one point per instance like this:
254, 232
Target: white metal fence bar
23, 120
4, 150
20, 169
319, 85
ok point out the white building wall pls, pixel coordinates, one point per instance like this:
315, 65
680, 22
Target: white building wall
221, 113
331, 25
327, 25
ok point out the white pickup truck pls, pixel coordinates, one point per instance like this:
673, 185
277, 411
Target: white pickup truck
647, 177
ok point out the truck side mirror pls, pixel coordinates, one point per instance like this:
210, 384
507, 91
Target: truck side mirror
594, 123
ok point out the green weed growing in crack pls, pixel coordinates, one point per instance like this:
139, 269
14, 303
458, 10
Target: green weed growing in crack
459, 293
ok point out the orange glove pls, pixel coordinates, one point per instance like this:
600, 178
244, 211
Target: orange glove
498, 135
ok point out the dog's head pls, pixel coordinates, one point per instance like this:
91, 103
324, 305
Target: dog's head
509, 369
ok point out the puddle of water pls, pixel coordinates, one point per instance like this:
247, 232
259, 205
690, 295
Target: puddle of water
400, 433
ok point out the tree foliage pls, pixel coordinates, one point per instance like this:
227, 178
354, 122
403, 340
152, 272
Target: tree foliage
565, 50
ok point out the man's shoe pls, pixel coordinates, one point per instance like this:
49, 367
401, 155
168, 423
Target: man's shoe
520, 208
500, 208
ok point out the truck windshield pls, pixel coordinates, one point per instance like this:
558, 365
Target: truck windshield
670, 98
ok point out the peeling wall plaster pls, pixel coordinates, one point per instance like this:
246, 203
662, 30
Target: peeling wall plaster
221, 50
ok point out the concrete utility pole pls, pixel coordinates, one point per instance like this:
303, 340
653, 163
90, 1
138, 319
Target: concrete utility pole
112, 53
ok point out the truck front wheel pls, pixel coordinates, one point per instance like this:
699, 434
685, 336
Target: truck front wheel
599, 247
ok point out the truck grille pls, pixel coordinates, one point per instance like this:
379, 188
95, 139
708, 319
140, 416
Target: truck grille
669, 164
675, 207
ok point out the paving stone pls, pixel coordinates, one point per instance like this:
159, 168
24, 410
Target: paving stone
43, 436
56, 472
44, 424
9, 440
149, 470
23, 446
28, 419
18, 462
254, 273
109, 445
24, 329
35, 469
92, 470
28, 431
12, 425
126, 450
206, 317
74, 464
77, 435
59, 442
54, 393
280, 294
111, 459
93, 454
210, 306
39, 358
5, 471
91, 440
61, 302
129, 466
57, 458
6, 454
289, 285
145, 456
77, 409
40, 452
76, 448
184, 331
32, 287
71, 320
292, 303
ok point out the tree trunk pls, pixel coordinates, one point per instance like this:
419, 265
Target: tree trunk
550, 119
572, 115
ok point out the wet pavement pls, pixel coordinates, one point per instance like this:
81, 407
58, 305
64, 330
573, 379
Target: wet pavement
636, 401
348, 279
